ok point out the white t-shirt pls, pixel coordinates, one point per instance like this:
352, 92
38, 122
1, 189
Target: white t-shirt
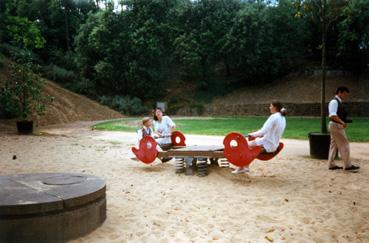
333, 107
164, 127
271, 132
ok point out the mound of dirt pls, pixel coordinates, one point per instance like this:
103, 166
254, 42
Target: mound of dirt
70, 107
66, 107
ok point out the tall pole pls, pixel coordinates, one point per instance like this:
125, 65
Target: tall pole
323, 123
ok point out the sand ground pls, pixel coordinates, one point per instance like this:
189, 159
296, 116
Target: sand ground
290, 199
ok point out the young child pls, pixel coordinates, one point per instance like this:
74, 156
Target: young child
146, 129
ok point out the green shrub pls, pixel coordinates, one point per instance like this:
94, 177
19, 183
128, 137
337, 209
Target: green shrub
124, 104
2, 59
23, 93
17, 54
82, 86
59, 74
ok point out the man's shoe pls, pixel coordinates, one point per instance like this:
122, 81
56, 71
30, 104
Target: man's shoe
353, 167
336, 168
165, 159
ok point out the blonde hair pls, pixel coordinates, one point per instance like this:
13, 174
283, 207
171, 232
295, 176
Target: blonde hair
145, 119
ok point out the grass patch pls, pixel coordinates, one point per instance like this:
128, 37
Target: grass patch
297, 127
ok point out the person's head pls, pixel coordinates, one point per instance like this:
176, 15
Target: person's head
277, 106
342, 92
146, 122
158, 114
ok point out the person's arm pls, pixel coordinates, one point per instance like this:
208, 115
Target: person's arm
139, 135
266, 127
332, 108
171, 124
153, 135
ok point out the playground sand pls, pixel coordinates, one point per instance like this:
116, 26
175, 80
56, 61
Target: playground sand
290, 199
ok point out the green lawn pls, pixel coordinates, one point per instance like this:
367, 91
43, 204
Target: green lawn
297, 127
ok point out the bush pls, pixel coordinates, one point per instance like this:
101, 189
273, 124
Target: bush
7, 108
82, 86
59, 74
17, 54
124, 104
23, 93
2, 59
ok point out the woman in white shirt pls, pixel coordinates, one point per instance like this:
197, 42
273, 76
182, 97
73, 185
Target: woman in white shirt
163, 127
269, 135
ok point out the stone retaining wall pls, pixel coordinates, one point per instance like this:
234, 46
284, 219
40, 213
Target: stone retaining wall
355, 109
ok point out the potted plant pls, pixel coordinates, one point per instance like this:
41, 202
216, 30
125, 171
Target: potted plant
23, 96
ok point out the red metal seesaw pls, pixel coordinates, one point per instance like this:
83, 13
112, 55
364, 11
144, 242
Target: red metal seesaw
240, 154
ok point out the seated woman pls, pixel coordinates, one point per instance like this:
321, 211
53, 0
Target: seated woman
163, 127
269, 135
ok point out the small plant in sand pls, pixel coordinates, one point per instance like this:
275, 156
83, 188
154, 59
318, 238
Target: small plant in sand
23, 96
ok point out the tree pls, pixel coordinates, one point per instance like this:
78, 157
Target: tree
266, 42
203, 26
328, 13
353, 36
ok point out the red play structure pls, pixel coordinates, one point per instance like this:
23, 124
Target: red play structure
235, 150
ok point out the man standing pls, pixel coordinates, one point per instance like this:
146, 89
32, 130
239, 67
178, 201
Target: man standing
337, 125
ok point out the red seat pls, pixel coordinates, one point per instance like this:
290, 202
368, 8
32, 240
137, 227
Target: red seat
147, 151
177, 135
268, 156
241, 155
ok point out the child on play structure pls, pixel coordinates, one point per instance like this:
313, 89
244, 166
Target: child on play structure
269, 135
146, 129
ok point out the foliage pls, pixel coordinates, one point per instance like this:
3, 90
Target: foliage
203, 26
59, 74
2, 59
23, 93
353, 36
143, 48
125, 104
23, 32
266, 42
83, 86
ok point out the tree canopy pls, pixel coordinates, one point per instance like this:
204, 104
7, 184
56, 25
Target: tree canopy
138, 49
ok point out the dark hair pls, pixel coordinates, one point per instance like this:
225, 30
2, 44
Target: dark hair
154, 115
342, 89
280, 107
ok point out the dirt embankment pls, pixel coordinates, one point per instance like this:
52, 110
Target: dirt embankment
66, 107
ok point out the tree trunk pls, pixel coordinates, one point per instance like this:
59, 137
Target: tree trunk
66, 25
323, 123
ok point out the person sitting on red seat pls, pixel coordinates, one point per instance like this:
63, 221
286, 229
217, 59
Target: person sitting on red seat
269, 135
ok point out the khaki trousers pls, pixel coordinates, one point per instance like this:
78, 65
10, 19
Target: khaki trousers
339, 142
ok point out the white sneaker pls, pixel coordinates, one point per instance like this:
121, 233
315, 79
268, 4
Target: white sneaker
239, 170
